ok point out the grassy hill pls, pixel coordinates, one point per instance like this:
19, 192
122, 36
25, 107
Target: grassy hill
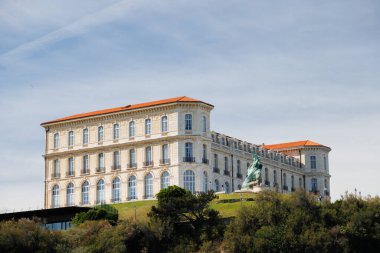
226, 204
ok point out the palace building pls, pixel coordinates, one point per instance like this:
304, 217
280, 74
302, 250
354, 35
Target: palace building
132, 152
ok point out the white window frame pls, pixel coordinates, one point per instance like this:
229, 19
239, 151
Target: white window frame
132, 129
148, 186
71, 139
148, 126
189, 180
132, 187
85, 136
188, 121
164, 124
116, 131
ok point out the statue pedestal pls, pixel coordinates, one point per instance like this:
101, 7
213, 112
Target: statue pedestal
251, 189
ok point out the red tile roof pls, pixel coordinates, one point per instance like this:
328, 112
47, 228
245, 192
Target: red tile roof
294, 144
127, 108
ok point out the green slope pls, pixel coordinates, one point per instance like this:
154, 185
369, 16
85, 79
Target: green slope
227, 204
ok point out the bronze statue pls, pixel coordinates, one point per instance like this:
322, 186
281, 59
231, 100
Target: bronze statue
254, 172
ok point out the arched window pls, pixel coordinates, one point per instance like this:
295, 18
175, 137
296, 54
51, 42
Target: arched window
164, 124
189, 181
205, 182
56, 140
131, 129
116, 160
165, 180
165, 154
132, 187
55, 196
188, 122
85, 136
116, 130
266, 176
148, 156
100, 133
314, 185
70, 194
188, 152
100, 199
148, 186
204, 124
148, 126
216, 185
132, 158
116, 190
85, 192
227, 187
71, 138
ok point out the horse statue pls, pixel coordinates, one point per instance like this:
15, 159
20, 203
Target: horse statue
254, 172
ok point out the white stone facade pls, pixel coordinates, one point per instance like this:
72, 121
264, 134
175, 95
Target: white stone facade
203, 158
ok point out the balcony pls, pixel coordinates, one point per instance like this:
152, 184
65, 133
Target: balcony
216, 170
239, 175
267, 183
85, 172
115, 167
148, 163
55, 175
100, 170
164, 161
70, 174
189, 159
131, 165
205, 160
226, 172
285, 187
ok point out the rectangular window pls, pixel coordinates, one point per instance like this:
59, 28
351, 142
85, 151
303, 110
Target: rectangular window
85, 164
100, 133
314, 185
116, 160
56, 168
325, 162
132, 158
148, 126
56, 140
131, 129
188, 121
85, 136
71, 166
165, 152
116, 131
313, 162
164, 124
215, 160
71, 138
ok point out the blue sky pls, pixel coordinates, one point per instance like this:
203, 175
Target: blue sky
276, 71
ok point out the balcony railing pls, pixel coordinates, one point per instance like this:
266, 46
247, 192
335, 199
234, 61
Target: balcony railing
205, 160
285, 187
85, 172
148, 163
226, 172
216, 170
100, 169
115, 200
132, 165
189, 159
70, 173
56, 175
239, 175
165, 161
115, 167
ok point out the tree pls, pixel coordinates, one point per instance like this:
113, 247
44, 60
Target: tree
103, 212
